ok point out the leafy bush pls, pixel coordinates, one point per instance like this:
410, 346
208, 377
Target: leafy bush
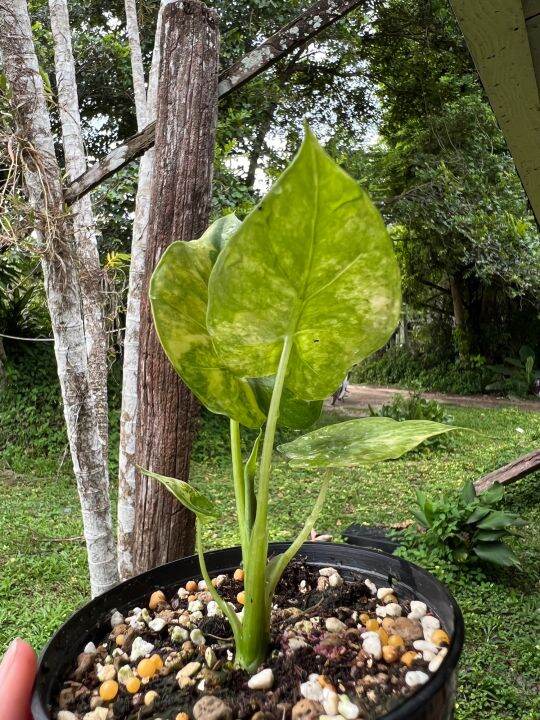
462, 528
517, 376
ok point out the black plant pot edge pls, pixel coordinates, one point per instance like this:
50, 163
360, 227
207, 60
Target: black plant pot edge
436, 682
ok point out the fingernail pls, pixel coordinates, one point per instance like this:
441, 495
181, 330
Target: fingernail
9, 655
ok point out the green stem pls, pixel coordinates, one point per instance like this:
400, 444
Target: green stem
251, 651
225, 609
250, 470
276, 569
238, 478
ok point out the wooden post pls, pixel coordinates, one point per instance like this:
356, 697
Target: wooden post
180, 208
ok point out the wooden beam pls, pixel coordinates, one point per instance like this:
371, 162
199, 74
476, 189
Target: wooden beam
524, 465
531, 9
296, 33
496, 34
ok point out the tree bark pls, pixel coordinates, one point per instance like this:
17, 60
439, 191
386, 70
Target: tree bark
54, 229
461, 326
84, 227
128, 416
179, 210
137, 67
522, 466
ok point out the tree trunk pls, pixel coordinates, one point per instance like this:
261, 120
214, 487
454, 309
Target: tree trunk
3, 361
54, 229
128, 416
84, 226
461, 328
258, 144
137, 67
179, 210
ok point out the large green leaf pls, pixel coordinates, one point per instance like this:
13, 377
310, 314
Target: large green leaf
189, 496
179, 297
312, 262
497, 553
293, 413
365, 441
498, 519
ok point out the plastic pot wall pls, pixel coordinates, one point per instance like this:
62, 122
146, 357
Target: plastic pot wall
434, 701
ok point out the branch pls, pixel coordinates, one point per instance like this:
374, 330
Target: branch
315, 19
515, 470
430, 284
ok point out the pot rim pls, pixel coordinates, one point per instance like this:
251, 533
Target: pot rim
41, 711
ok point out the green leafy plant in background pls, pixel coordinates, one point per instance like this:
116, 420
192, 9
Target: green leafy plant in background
516, 376
262, 319
462, 527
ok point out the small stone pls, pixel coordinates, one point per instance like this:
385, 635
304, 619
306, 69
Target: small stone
322, 583
173, 661
327, 572
116, 618
201, 585
439, 638
311, 690
189, 670
179, 634
262, 680
435, 664
347, 709
238, 575
66, 715
191, 586
393, 610
334, 625
105, 672
396, 641
90, 648
210, 657
157, 624
139, 649
422, 645
372, 625
196, 637
295, 643
306, 710
124, 674
370, 586
213, 609
390, 653
416, 677
100, 713
108, 690
335, 580
409, 657
372, 645
210, 707
418, 610
156, 599
429, 625
150, 697
182, 593
218, 581
182, 716
428, 656
330, 701
383, 592
388, 599
85, 662
409, 630
195, 606
380, 611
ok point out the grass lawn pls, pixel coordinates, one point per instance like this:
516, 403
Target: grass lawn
42, 559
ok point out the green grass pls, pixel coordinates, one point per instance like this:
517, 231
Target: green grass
42, 561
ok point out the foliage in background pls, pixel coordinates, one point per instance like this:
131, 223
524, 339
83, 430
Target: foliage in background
461, 528
517, 376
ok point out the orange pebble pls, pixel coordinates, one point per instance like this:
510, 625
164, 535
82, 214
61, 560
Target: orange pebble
390, 653
372, 625
241, 598
191, 586
409, 657
182, 716
133, 685
108, 690
396, 641
158, 662
120, 640
440, 637
383, 635
239, 575
146, 667
156, 598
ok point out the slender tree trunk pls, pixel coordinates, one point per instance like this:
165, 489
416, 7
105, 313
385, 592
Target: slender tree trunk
461, 328
128, 416
55, 230
180, 207
3, 361
258, 145
137, 67
84, 226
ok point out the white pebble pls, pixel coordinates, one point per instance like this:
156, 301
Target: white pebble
263, 680
296, 643
372, 646
195, 606
218, 581
429, 625
393, 610
210, 657
428, 656
202, 585
347, 709
124, 674
195, 616
335, 580
89, 648
383, 592
435, 664
140, 648
116, 618
179, 634
182, 593
425, 645
66, 715
418, 610
334, 625
105, 672
196, 637
100, 713
330, 701
311, 690
416, 677
157, 624
213, 609
303, 587
328, 571
371, 586
380, 611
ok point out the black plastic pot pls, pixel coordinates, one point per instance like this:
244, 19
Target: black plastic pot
434, 701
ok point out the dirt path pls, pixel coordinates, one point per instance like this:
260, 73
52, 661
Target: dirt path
360, 396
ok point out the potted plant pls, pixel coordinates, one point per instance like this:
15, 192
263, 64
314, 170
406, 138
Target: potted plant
262, 320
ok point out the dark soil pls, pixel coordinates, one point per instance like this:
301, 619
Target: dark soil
374, 686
